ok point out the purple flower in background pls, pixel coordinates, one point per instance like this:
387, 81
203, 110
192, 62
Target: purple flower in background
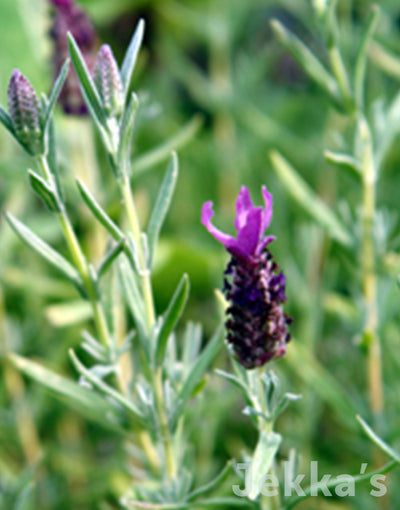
70, 18
254, 286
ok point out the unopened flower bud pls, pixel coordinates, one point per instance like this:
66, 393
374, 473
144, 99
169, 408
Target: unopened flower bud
108, 81
24, 109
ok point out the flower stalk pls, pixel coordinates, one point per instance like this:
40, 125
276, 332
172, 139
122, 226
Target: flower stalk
369, 283
144, 272
147, 291
78, 258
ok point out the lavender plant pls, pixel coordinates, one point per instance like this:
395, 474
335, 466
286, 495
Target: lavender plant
146, 399
139, 384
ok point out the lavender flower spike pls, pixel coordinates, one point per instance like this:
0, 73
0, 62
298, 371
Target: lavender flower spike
254, 287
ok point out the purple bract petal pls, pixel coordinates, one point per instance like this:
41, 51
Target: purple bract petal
206, 214
243, 206
267, 214
250, 232
250, 223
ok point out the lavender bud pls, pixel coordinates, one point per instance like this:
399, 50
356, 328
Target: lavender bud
108, 81
24, 109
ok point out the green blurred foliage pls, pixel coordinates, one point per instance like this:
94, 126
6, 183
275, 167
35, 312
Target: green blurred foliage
217, 59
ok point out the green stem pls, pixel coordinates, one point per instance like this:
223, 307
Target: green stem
260, 403
340, 74
164, 428
369, 283
144, 273
79, 259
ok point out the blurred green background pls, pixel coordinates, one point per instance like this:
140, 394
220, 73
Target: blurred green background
214, 83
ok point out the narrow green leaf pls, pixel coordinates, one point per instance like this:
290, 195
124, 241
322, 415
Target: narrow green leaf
5, 119
89, 91
99, 212
238, 383
125, 135
344, 161
162, 205
171, 317
305, 196
155, 156
362, 54
131, 54
104, 387
110, 257
55, 92
384, 59
195, 375
52, 157
307, 60
134, 300
263, 457
46, 251
284, 402
71, 312
44, 191
304, 364
24, 500
206, 503
94, 348
378, 441
218, 480
315, 488
191, 343
86, 402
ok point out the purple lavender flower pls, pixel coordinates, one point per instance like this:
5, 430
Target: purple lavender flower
254, 286
70, 18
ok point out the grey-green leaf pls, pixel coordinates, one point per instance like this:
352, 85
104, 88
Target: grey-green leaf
44, 190
129, 61
307, 60
216, 482
46, 251
125, 135
344, 161
104, 387
160, 153
99, 212
110, 256
162, 205
196, 373
134, 300
89, 90
171, 317
5, 119
263, 457
305, 196
55, 92
86, 402
378, 441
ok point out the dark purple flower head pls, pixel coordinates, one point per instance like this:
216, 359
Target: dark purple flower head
71, 18
254, 287
250, 223
63, 4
